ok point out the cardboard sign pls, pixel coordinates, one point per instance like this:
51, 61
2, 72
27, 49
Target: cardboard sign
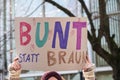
51, 43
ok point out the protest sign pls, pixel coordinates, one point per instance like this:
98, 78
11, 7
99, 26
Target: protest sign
51, 43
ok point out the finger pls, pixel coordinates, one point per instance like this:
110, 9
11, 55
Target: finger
16, 59
88, 59
84, 57
16, 65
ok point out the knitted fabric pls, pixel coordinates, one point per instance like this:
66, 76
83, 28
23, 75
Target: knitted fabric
13, 75
89, 74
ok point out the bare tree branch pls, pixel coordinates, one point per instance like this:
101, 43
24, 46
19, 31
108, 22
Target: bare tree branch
103, 53
104, 27
95, 42
89, 16
60, 7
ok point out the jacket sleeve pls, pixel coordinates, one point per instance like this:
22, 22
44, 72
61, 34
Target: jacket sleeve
89, 74
13, 75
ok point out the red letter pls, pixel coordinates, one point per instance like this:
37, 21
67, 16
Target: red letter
24, 33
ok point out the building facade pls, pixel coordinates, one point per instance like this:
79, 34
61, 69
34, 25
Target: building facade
103, 71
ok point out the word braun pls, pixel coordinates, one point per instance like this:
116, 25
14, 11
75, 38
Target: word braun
65, 58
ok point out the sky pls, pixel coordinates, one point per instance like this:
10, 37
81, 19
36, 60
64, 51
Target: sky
26, 7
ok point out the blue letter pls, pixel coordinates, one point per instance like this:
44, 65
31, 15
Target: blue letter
62, 38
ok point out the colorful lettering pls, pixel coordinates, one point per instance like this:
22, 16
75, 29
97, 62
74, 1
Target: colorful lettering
51, 58
79, 26
23, 57
62, 38
40, 43
24, 34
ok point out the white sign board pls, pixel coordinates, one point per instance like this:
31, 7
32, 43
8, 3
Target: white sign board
51, 43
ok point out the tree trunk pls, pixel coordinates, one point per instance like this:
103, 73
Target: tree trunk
116, 68
116, 73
